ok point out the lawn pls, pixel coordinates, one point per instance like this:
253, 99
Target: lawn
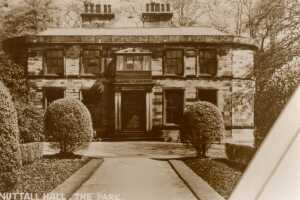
44, 175
220, 174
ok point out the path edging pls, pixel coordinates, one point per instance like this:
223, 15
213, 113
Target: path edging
196, 184
69, 186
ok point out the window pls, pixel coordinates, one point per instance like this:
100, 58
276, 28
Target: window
91, 62
174, 62
133, 63
173, 103
54, 62
208, 62
52, 94
207, 95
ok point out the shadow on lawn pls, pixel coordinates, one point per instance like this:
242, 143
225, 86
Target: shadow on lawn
63, 156
234, 165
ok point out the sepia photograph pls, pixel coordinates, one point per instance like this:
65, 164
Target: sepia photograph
149, 100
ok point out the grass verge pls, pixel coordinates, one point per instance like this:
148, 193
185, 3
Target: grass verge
220, 174
44, 175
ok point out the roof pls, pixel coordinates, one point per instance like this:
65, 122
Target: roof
132, 31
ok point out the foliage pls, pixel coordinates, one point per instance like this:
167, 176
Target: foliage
29, 17
10, 156
202, 124
31, 123
219, 174
68, 122
45, 175
31, 152
241, 154
273, 97
13, 76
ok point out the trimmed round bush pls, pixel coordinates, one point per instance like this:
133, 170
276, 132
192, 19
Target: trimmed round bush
202, 124
10, 155
68, 122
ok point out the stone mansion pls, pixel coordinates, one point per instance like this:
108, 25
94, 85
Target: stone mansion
136, 81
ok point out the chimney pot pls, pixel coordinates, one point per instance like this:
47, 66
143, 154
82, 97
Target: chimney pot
92, 7
109, 8
168, 7
98, 8
86, 7
105, 8
162, 7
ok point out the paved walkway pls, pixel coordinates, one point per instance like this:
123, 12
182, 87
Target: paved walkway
157, 150
136, 179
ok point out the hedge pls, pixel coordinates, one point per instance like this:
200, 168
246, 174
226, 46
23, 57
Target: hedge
10, 155
68, 122
31, 152
241, 154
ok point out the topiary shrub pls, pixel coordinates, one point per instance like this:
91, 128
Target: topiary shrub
202, 124
68, 122
10, 156
31, 123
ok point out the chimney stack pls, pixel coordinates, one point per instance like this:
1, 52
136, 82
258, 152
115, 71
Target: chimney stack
157, 14
96, 15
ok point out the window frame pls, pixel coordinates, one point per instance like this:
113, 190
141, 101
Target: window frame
207, 63
208, 89
181, 108
85, 59
45, 96
46, 58
165, 63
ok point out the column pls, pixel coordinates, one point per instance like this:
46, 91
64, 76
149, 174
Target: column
149, 111
118, 124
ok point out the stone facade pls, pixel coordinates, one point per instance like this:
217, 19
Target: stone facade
136, 81
233, 83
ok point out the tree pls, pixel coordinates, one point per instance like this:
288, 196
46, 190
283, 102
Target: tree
29, 17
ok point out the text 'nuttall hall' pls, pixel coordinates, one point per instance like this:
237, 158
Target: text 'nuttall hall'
136, 81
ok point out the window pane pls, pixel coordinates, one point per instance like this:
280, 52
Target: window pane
55, 62
174, 62
207, 95
138, 63
174, 106
208, 62
128, 65
91, 61
52, 94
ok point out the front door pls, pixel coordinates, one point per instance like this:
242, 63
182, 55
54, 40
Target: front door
133, 111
